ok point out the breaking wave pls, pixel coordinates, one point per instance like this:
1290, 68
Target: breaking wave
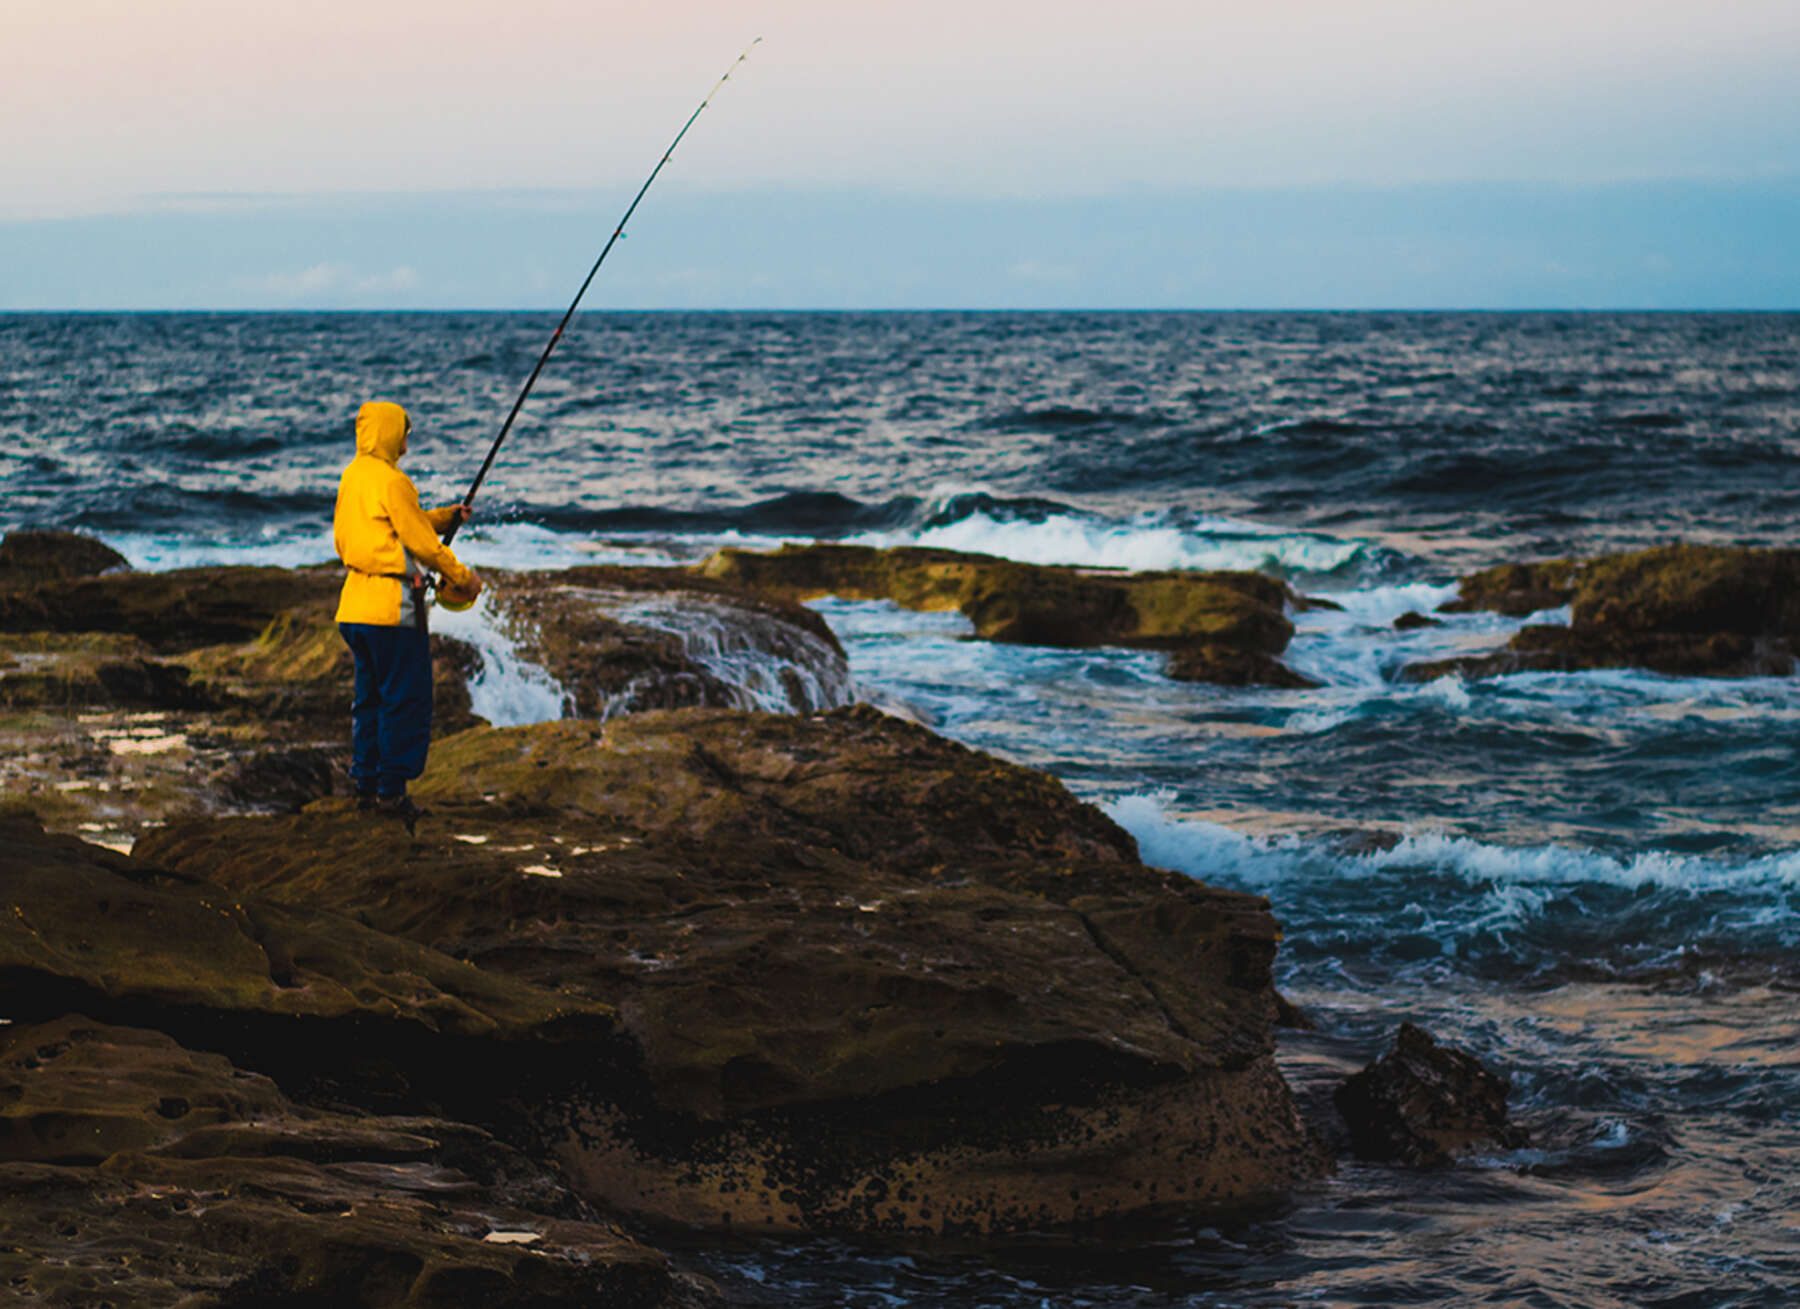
1144, 543
1359, 903
1202, 848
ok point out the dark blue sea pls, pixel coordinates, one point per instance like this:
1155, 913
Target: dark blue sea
1597, 885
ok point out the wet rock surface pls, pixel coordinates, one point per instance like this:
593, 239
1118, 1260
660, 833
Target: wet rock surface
878, 981
1682, 610
1222, 627
1412, 621
182, 609
1422, 1104
29, 557
133, 696
136, 1172
781, 972
621, 640
1516, 590
102, 932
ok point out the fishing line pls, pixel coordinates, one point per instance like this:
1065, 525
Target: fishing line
619, 231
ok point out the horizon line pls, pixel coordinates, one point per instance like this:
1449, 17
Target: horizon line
297, 312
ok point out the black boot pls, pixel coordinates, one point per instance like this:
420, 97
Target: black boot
402, 807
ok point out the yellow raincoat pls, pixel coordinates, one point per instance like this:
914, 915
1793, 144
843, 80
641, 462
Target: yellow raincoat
378, 520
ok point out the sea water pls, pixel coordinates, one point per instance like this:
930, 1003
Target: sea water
1592, 879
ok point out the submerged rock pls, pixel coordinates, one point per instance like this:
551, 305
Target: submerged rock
1422, 1104
877, 981
1682, 610
1225, 627
1412, 621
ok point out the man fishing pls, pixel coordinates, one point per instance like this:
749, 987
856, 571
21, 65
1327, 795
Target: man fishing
387, 542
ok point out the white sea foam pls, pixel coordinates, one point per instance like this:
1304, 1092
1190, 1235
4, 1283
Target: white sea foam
519, 547
1522, 878
1357, 656
509, 690
779, 668
1146, 543
156, 552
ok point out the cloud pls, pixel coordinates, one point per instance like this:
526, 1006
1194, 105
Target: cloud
308, 282
403, 278
1034, 270
326, 278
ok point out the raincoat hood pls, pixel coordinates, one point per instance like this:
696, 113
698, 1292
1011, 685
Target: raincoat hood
381, 428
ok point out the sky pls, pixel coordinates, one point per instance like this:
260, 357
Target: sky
1288, 154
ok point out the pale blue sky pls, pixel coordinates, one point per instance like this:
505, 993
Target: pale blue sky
389, 153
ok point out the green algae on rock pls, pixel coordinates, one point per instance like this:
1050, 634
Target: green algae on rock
876, 980
1217, 626
1515, 590
181, 609
251, 681
1682, 610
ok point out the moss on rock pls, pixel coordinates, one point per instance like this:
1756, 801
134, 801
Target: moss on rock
1683, 610
1197, 616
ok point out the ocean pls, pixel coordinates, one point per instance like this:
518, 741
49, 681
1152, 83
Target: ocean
1596, 880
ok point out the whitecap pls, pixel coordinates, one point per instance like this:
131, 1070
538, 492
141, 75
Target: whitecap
1146, 543
1522, 880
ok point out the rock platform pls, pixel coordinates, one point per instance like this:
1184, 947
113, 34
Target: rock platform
1222, 627
1683, 610
667, 960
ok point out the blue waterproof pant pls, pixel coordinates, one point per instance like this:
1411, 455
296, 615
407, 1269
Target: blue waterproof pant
390, 715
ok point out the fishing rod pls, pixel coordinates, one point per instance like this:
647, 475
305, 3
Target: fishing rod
468, 500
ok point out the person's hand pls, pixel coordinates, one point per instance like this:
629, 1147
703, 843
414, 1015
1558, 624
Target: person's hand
458, 594
462, 514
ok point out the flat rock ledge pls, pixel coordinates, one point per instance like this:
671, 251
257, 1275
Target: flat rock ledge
1682, 610
739, 971
1219, 627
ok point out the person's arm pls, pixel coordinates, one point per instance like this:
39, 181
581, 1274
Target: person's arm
417, 533
442, 520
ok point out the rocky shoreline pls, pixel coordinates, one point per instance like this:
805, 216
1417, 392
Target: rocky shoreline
720, 948
671, 959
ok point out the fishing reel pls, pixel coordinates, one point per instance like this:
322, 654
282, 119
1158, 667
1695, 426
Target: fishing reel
455, 598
